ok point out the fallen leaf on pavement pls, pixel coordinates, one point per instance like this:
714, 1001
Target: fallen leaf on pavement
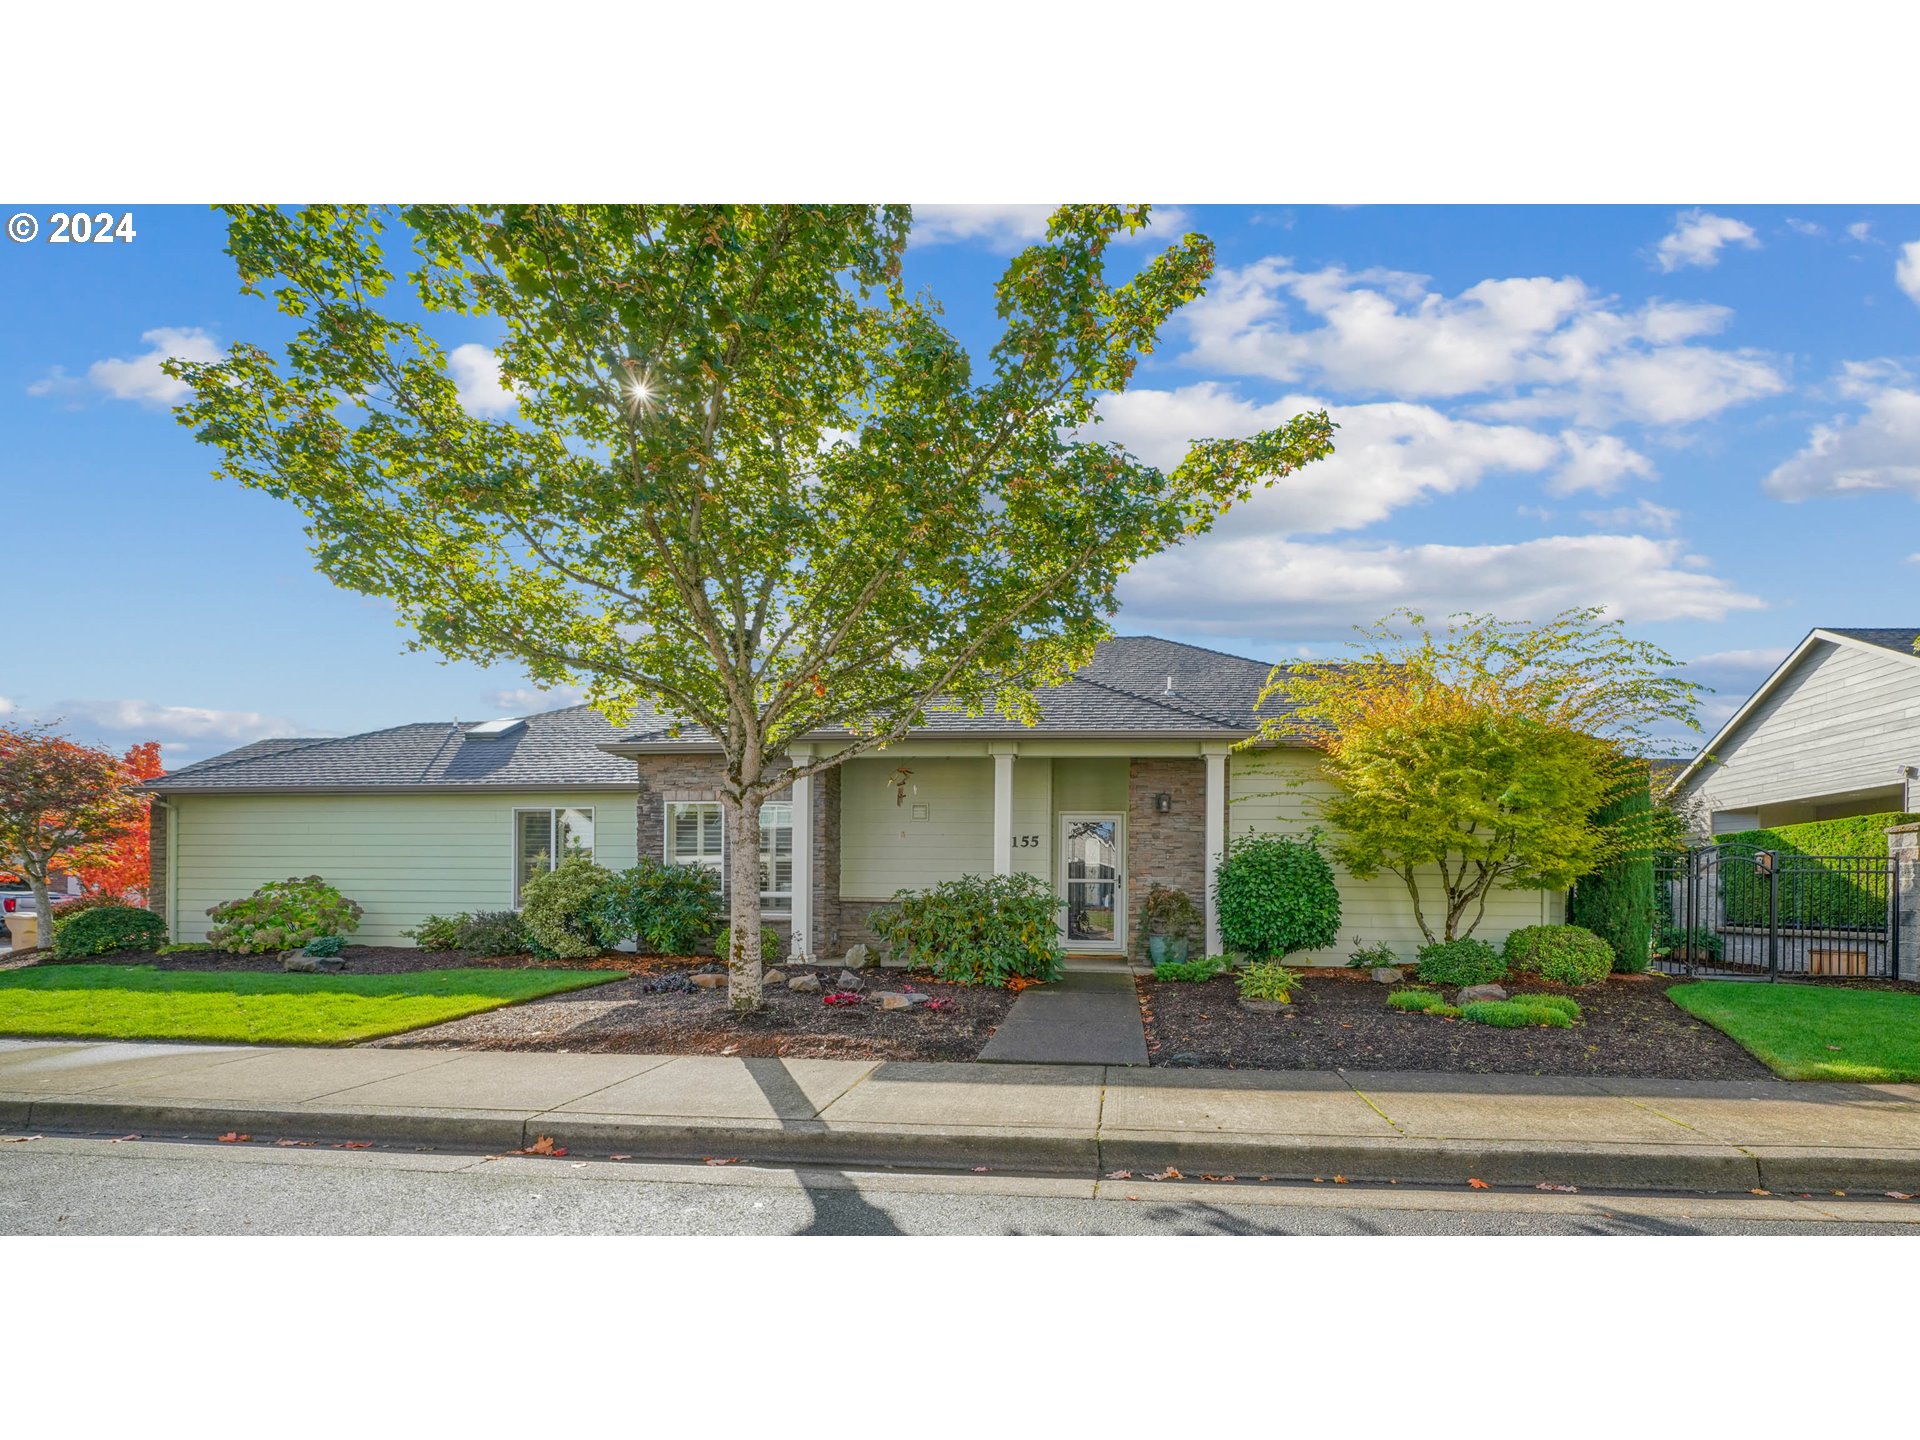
717, 1160
1133, 1197
1478, 1184
1168, 1174
1757, 1191
1339, 1179
277, 1142
542, 1146
1216, 1178
1898, 1195
1120, 1175
980, 1169
730, 1049
1841, 1193
619, 1157
19, 1139
354, 1145
1563, 1189
234, 1137
118, 1138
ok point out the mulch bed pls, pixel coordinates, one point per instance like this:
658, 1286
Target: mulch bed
1340, 1018
626, 1018
361, 960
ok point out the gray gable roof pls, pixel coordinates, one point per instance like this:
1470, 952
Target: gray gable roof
1887, 639
1123, 692
557, 748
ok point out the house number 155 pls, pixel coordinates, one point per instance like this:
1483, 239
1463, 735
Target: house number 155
1025, 842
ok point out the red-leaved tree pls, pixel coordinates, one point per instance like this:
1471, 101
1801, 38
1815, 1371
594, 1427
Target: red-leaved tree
61, 804
121, 871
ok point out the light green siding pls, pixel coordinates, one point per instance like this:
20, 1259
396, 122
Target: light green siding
1080, 785
402, 857
1264, 799
941, 828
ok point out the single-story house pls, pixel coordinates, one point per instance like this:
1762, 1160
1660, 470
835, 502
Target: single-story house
1833, 732
1129, 780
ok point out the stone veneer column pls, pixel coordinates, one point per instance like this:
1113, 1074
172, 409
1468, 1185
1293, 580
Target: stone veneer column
1167, 849
157, 811
1903, 849
802, 946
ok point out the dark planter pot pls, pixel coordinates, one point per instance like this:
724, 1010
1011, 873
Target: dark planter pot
1178, 949
1157, 949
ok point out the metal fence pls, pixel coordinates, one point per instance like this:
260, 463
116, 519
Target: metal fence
1741, 911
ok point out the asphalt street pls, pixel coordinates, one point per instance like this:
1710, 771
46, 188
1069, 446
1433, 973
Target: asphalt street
68, 1185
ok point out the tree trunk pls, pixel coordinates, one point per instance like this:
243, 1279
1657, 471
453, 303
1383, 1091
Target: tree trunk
743, 902
43, 911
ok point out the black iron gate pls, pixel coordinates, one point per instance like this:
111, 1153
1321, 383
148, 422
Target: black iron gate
1733, 910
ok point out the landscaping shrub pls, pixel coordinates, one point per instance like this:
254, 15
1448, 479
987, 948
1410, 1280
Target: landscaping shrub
1268, 980
1415, 999
438, 932
324, 947
773, 945
1371, 957
1565, 1004
1812, 896
1460, 962
977, 930
668, 909
557, 908
1277, 895
65, 910
1169, 912
493, 932
1617, 901
282, 915
1699, 944
108, 929
1510, 1015
185, 947
1444, 1012
1564, 954
1192, 970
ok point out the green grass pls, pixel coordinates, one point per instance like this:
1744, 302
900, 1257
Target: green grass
1806, 1033
139, 1002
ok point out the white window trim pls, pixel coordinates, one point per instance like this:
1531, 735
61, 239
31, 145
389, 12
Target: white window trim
553, 813
775, 910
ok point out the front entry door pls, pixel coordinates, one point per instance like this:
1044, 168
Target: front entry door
1093, 885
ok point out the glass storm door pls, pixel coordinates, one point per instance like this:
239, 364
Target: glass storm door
1092, 885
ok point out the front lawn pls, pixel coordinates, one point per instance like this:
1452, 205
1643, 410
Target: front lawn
140, 1002
1806, 1033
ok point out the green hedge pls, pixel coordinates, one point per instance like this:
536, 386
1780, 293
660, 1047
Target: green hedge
1617, 902
1812, 895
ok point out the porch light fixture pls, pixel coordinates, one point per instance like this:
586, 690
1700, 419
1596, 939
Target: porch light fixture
1163, 802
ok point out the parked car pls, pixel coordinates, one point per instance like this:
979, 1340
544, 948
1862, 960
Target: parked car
13, 902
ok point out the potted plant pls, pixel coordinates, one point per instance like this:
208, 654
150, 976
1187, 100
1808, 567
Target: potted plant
1169, 918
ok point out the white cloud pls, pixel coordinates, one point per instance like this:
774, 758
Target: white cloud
1860, 230
1006, 228
1597, 463
1534, 346
476, 376
1386, 455
1906, 270
1642, 515
1914, 559
148, 721
138, 377
1766, 659
1805, 227
1698, 237
531, 699
1262, 584
7, 707
1876, 449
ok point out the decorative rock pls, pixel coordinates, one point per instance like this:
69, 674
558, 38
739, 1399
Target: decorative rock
858, 957
775, 976
330, 962
805, 984
1388, 974
895, 1000
710, 981
1265, 1007
1471, 993
299, 963
850, 981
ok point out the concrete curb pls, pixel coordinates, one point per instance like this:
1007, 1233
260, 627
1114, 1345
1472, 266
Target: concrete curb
1035, 1150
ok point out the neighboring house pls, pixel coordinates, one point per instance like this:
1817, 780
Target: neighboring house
1128, 781
1835, 731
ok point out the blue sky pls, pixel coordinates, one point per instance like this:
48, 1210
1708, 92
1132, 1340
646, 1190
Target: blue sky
1707, 419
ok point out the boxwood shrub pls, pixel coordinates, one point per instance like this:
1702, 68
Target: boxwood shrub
1564, 954
108, 930
977, 930
1512, 1015
1460, 962
1276, 894
557, 908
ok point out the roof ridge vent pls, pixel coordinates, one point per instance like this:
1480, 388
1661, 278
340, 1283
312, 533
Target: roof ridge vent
494, 729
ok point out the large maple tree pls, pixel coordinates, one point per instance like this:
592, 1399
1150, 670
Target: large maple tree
63, 805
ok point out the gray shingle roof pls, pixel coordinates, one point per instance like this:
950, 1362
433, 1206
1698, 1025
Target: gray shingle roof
1886, 639
1122, 692
560, 747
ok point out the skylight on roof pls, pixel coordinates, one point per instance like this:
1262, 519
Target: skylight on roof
494, 729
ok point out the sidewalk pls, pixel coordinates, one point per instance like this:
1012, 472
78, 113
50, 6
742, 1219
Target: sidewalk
1077, 1120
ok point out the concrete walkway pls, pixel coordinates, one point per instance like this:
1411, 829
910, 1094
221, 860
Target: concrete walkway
1080, 1120
1087, 1017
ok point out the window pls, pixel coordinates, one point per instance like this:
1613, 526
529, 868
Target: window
696, 833
541, 836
